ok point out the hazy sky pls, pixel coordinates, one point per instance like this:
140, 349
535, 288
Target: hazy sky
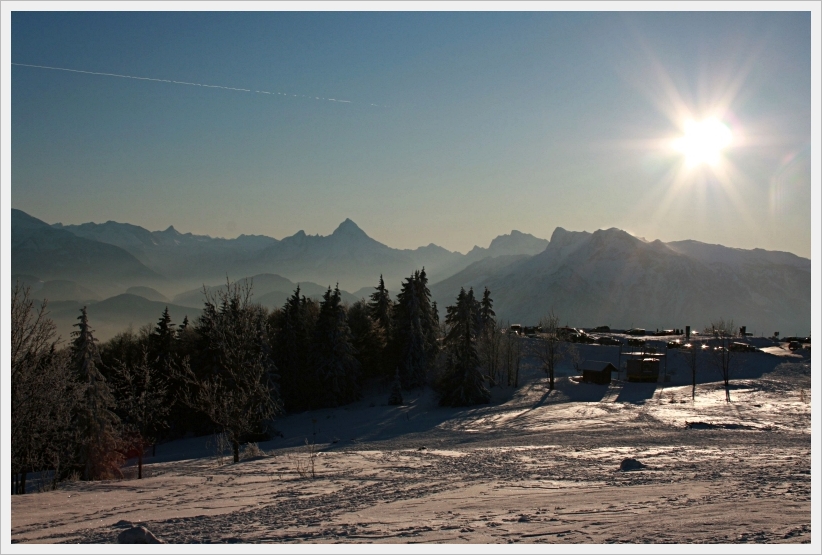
459, 126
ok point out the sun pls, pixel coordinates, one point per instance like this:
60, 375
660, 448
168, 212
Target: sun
703, 141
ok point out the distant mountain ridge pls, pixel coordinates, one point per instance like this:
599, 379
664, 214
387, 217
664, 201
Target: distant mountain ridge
56, 254
590, 278
609, 277
514, 243
348, 256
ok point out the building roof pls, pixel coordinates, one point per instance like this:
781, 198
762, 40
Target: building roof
597, 365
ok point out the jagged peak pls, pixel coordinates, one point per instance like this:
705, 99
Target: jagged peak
348, 227
562, 235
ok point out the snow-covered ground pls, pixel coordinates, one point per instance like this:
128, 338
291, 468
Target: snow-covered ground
530, 467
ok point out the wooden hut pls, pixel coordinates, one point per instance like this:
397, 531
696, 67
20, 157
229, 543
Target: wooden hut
596, 371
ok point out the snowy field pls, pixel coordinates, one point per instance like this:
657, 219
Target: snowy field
531, 467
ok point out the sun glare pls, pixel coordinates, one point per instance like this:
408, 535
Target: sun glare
703, 141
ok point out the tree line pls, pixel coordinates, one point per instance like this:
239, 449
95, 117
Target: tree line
79, 410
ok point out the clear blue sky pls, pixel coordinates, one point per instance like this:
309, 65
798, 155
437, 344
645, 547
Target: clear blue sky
484, 123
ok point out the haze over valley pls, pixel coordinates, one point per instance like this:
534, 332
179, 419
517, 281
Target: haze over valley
128, 275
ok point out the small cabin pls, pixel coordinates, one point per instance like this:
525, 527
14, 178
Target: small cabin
643, 370
515, 328
596, 371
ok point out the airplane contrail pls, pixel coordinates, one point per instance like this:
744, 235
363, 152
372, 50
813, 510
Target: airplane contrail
183, 83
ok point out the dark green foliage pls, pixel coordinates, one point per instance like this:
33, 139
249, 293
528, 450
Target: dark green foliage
487, 316
380, 307
124, 348
293, 328
396, 390
183, 327
416, 329
489, 340
163, 340
368, 339
462, 383
332, 356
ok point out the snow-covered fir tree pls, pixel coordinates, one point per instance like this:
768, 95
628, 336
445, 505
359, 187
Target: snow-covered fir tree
96, 424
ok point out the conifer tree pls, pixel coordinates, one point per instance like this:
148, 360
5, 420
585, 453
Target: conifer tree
430, 322
293, 328
462, 383
487, 314
368, 339
489, 339
335, 366
184, 326
163, 340
96, 424
380, 307
396, 390
409, 342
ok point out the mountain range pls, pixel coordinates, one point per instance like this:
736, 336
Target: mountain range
607, 277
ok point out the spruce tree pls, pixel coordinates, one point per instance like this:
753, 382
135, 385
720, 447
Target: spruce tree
489, 338
487, 314
162, 340
396, 390
430, 321
462, 383
368, 338
96, 424
410, 338
293, 335
380, 307
335, 366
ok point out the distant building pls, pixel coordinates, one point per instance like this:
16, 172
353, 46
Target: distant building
643, 370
